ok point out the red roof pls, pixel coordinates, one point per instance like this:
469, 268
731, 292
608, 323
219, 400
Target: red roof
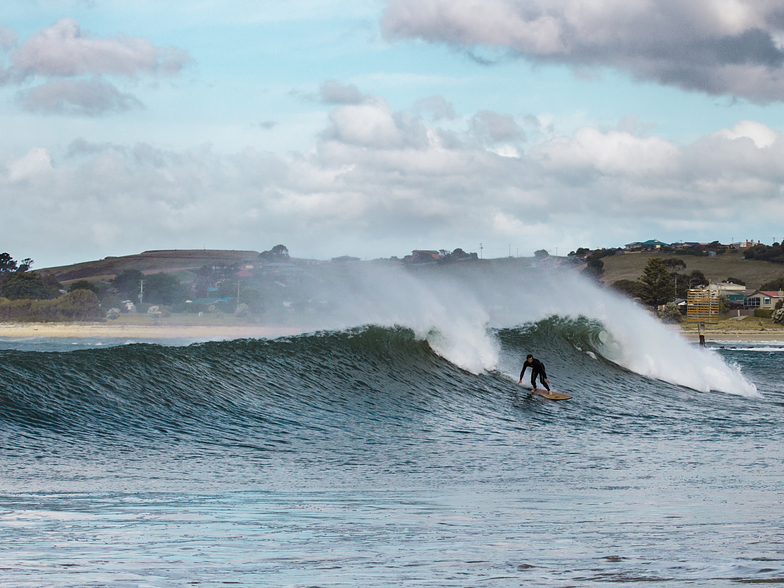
244, 274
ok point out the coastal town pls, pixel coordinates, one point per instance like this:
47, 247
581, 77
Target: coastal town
273, 287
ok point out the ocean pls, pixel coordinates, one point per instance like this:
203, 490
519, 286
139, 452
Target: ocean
400, 454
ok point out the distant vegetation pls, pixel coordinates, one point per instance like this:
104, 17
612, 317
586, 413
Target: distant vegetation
28, 295
774, 253
272, 287
773, 285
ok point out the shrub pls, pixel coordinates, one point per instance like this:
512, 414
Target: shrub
778, 316
671, 313
763, 312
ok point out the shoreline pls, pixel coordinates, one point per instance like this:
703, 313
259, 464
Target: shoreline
735, 335
86, 330
108, 330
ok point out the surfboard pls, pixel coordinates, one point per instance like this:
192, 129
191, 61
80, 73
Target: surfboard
551, 395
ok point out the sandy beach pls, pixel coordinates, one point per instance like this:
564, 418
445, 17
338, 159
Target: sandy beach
736, 335
135, 331
152, 331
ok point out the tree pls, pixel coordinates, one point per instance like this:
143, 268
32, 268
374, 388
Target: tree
78, 305
7, 264
83, 285
671, 313
674, 263
735, 281
777, 284
162, 288
697, 278
656, 286
724, 304
31, 286
595, 267
681, 284
457, 255
541, 253
128, 283
277, 253
628, 287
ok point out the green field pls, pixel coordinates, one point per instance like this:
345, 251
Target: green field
629, 266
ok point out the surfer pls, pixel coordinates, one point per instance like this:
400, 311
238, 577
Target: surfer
537, 369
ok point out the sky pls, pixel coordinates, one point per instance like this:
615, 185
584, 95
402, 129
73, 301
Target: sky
371, 128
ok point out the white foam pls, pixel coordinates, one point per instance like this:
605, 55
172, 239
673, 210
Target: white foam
454, 310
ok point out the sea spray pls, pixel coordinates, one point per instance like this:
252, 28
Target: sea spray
456, 308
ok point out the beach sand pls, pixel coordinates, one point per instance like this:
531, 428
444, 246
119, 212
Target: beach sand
133, 331
739, 335
207, 332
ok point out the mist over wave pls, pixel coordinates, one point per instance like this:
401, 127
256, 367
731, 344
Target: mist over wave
456, 310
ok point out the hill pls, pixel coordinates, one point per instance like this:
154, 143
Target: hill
149, 262
629, 266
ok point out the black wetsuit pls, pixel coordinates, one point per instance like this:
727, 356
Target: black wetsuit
537, 368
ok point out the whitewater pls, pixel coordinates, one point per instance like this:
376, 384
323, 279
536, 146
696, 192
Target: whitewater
389, 445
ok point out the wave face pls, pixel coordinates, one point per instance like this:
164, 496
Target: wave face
393, 456
300, 394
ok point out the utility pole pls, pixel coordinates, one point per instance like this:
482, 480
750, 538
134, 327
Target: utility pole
480, 251
141, 292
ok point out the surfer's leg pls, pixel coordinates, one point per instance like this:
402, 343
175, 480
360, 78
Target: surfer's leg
533, 380
541, 379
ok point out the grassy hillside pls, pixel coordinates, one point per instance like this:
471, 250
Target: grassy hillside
148, 262
629, 266
622, 266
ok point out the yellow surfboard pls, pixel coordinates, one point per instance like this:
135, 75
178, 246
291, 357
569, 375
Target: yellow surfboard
551, 395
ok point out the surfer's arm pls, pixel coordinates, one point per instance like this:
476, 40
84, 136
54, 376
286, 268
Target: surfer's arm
525, 365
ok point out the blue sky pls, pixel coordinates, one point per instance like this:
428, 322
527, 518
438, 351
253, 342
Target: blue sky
373, 128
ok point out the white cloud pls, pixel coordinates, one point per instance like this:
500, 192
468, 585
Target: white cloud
91, 97
333, 92
63, 50
62, 55
378, 182
438, 107
492, 127
8, 38
375, 124
37, 163
714, 46
762, 135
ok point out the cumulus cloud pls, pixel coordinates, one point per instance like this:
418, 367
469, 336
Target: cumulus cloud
74, 66
492, 127
93, 97
376, 125
64, 50
380, 181
438, 107
7, 38
36, 163
715, 46
333, 92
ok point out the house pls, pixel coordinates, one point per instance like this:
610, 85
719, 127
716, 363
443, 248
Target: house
743, 244
422, 256
763, 299
728, 288
648, 245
